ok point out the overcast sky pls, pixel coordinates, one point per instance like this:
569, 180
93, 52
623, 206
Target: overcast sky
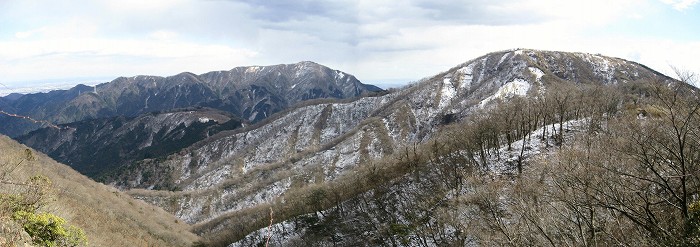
380, 42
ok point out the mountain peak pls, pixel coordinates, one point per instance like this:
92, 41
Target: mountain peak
308, 63
572, 66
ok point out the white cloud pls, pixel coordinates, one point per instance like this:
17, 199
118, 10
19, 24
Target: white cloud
75, 57
125, 6
69, 28
164, 35
372, 39
24, 35
680, 5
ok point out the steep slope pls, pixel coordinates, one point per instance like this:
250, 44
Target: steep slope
236, 172
397, 205
606, 175
108, 217
251, 93
98, 147
472, 185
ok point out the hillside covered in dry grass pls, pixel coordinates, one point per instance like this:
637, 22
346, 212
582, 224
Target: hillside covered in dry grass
108, 217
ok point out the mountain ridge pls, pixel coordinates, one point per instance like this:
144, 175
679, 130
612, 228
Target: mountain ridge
330, 139
431, 201
251, 93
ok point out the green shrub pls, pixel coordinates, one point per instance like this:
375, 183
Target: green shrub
49, 230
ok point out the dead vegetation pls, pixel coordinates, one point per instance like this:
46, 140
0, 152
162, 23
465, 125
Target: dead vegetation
627, 177
108, 217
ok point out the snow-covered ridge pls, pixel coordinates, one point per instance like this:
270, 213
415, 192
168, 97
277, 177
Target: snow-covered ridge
318, 143
498, 163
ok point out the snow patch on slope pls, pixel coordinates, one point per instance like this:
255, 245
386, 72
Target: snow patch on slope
503, 58
601, 66
252, 69
536, 143
537, 72
465, 75
447, 93
516, 87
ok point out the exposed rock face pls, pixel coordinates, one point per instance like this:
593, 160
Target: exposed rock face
240, 169
251, 93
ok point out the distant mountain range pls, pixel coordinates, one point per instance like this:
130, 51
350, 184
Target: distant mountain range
113, 124
250, 93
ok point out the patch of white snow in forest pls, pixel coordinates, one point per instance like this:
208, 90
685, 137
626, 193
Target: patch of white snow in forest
510, 89
203, 120
279, 234
601, 66
267, 194
252, 69
189, 209
466, 75
535, 142
503, 58
391, 128
185, 168
348, 153
210, 179
537, 72
447, 93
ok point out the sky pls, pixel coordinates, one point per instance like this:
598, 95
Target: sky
56, 43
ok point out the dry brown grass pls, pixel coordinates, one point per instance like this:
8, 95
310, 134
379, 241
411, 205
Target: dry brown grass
109, 217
